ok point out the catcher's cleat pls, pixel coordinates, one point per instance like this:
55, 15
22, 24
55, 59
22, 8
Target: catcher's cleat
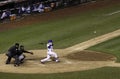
21, 61
16, 65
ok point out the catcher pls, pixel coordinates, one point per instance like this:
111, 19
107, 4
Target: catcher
20, 56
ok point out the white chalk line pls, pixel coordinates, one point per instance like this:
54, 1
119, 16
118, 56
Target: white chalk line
107, 14
116, 12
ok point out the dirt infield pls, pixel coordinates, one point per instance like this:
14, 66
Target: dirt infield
90, 56
32, 63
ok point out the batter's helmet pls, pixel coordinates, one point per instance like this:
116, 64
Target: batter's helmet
49, 41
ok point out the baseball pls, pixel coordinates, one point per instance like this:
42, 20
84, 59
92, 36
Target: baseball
94, 31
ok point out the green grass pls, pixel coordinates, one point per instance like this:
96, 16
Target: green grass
100, 73
112, 47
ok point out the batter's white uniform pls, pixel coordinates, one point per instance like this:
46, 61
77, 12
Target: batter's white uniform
50, 53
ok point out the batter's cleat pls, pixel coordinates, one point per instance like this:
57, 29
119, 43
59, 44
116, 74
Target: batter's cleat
57, 61
42, 62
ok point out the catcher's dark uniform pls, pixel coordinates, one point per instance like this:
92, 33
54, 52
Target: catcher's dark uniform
12, 52
20, 56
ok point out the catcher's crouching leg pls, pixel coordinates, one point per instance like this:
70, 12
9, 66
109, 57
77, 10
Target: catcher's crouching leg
17, 62
22, 58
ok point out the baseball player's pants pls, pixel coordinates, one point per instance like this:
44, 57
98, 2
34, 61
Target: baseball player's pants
21, 57
49, 55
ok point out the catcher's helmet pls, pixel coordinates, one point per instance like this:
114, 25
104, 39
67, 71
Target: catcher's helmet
21, 46
16, 44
